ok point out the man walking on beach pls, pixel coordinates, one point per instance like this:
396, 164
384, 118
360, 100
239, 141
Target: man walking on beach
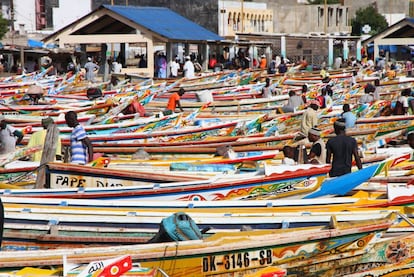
340, 149
80, 145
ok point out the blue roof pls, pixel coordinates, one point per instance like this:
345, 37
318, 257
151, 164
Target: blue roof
165, 22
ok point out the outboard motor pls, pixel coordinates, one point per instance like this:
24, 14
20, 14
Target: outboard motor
177, 227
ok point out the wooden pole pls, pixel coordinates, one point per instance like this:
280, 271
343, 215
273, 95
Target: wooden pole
48, 155
22, 58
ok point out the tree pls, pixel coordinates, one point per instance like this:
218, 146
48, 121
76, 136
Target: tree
4, 26
371, 17
321, 2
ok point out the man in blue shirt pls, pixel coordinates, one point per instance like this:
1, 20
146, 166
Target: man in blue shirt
80, 145
349, 116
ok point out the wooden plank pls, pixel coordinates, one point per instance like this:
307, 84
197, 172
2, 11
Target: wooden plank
48, 155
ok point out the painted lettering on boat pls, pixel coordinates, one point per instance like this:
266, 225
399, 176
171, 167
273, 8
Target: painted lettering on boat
66, 181
232, 261
70, 181
95, 267
107, 184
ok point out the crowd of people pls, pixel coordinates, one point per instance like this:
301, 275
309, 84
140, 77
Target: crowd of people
339, 150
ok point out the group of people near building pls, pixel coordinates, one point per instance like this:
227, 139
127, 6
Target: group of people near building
187, 69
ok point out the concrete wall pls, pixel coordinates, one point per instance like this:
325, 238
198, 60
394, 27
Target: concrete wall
25, 14
68, 11
311, 18
59, 13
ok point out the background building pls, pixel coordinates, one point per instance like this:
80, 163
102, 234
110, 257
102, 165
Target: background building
284, 27
226, 18
393, 10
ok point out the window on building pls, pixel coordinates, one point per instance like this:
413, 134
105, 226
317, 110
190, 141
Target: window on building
411, 9
263, 24
237, 25
246, 22
255, 22
330, 15
40, 10
320, 15
339, 20
346, 17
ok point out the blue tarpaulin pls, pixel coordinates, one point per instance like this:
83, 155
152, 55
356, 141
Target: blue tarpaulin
34, 43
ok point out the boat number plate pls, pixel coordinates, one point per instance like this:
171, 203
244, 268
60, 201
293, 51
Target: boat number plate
234, 261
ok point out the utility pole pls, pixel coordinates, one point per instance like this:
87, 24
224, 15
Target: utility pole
242, 16
325, 17
12, 15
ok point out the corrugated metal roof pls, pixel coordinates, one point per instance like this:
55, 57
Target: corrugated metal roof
165, 22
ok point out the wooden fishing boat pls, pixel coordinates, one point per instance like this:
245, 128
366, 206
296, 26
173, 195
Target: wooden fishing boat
65, 227
229, 104
194, 161
73, 221
74, 181
125, 126
224, 253
279, 181
120, 266
389, 256
225, 127
55, 223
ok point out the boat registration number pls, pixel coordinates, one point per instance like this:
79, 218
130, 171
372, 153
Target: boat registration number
234, 261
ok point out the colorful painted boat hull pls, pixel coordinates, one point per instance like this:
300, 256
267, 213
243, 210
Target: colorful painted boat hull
225, 253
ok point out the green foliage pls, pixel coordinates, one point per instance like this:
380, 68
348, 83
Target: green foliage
370, 16
322, 2
4, 24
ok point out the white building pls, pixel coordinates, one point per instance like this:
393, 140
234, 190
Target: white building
35, 16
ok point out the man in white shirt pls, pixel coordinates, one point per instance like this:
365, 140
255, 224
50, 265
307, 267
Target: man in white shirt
188, 68
174, 66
